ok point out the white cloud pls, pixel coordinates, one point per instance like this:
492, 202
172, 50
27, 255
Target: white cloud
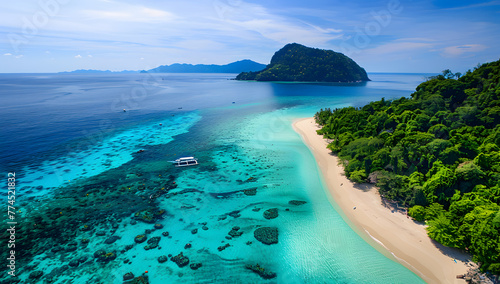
131, 13
413, 39
454, 51
199, 44
221, 31
155, 13
20, 56
395, 47
254, 18
325, 31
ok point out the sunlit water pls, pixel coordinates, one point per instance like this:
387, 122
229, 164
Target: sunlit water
65, 131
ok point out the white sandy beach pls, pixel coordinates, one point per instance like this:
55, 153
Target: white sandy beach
401, 236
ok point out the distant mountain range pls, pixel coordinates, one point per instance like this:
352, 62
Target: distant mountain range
97, 71
235, 67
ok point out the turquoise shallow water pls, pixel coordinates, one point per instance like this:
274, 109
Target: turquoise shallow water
101, 152
98, 180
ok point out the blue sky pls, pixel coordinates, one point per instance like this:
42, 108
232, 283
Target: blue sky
382, 36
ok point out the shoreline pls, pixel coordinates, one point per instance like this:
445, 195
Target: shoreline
400, 236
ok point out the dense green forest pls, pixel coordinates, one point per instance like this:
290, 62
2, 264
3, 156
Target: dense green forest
295, 62
437, 152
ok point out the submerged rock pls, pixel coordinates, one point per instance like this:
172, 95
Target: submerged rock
195, 266
262, 272
86, 228
152, 243
104, 256
111, 240
82, 259
271, 213
221, 248
180, 259
250, 191
71, 248
235, 232
128, 276
149, 215
267, 235
99, 253
56, 249
162, 259
140, 239
36, 274
74, 263
143, 279
296, 202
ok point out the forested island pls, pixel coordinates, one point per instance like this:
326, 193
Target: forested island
295, 62
437, 153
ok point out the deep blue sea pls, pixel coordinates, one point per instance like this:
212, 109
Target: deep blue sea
73, 141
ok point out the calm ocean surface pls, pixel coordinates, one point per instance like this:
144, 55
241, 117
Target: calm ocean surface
74, 151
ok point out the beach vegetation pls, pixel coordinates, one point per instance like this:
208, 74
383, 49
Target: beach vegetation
436, 152
417, 212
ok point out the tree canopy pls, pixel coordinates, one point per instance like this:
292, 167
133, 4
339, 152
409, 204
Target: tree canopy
437, 152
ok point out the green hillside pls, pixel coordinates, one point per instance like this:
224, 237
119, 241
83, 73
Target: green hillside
437, 152
295, 62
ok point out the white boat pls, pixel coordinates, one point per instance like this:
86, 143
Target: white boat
185, 161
